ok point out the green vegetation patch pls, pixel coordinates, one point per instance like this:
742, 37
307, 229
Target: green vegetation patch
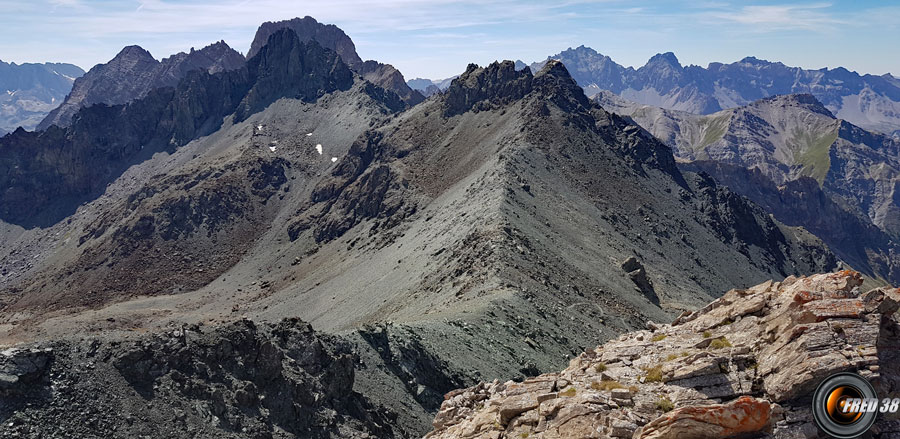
654, 374
720, 343
606, 385
713, 128
811, 151
664, 404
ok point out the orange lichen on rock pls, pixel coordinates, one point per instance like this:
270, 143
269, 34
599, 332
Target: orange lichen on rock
743, 415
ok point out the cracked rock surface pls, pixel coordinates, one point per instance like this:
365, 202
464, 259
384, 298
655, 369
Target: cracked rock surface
745, 365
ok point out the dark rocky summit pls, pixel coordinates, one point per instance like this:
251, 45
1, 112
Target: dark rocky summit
29, 91
331, 37
134, 73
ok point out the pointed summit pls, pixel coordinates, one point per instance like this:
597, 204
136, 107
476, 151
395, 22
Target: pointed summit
134, 52
667, 58
287, 66
752, 60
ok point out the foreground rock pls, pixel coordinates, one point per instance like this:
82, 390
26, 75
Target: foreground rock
237, 381
746, 364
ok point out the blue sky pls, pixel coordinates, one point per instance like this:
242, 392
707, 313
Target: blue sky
438, 38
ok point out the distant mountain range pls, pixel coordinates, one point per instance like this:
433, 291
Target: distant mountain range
29, 91
791, 155
868, 101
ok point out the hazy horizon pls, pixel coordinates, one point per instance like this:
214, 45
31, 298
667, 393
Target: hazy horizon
437, 39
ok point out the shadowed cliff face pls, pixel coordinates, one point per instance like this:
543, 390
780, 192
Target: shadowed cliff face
49, 173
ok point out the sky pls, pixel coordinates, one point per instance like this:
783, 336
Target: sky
438, 38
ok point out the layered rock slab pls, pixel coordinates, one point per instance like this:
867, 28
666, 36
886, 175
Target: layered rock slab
746, 364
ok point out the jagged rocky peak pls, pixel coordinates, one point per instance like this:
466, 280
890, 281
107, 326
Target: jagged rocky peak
555, 83
665, 59
555, 72
332, 37
219, 57
706, 375
307, 28
498, 83
754, 61
501, 83
134, 53
287, 66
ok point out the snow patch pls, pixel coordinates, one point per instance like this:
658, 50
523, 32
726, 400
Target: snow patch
308, 134
333, 159
272, 148
259, 128
319, 148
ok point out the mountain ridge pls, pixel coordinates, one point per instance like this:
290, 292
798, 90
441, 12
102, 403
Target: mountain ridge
869, 101
166, 118
133, 73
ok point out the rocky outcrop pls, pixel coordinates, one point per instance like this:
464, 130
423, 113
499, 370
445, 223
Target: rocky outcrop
29, 91
23, 369
332, 37
275, 70
744, 364
357, 190
481, 88
240, 380
134, 73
